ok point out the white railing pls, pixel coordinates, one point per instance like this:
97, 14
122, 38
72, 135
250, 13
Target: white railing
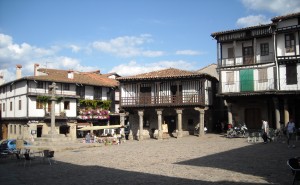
253, 85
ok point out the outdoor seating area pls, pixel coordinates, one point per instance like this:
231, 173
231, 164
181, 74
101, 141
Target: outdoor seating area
25, 156
294, 165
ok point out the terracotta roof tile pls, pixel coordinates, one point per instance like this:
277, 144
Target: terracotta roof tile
284, 17
163, 74
87, 78
241, 29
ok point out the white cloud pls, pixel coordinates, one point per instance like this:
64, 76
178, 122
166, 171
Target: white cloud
127, 46
188, 52
279, 7
252, 20
133, 68
27, 55
74, 48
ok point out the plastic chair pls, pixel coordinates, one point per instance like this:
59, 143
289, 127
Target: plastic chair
27, 157
48, 155
293, 163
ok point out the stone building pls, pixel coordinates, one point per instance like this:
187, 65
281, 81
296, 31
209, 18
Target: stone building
166, 103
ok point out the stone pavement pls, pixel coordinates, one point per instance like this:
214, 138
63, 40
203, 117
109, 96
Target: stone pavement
212, 159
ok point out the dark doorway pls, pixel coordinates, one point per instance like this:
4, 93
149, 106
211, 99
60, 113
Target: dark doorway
64, 129
145, 95
171, 121
253, 118
39, 130
176, 93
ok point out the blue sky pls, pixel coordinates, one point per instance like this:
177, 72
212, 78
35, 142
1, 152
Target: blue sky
123, 36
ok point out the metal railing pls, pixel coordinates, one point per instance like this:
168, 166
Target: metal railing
240, 60
248, 85
186, 99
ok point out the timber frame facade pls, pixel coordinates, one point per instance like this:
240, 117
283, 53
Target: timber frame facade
171, 98
259, 72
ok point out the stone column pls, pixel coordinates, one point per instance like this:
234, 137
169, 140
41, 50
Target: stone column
201, 121
53, 88
286, 111
277, 113
122, 123
141, 129
159, 122
229, 109
179, 123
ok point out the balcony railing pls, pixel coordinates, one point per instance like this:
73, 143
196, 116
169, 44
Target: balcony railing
248, 86
180, 100
288, 85
240, 60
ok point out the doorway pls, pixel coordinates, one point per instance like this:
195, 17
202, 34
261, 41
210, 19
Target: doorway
39, 130
171, 121
253, 118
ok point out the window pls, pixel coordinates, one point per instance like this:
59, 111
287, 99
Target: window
291, 74
40, 85
67, 105
20, 104
3, 107
10, 106
15, 129
80, 90
66, 87
289, 42
229, 78
264, 49
20, 130
230, 53
97, 93
11, 129
262, 75
39, 105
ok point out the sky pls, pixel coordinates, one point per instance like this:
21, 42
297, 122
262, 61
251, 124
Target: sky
127, 37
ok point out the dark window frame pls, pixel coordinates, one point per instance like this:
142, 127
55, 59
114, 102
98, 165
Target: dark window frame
291, 74
289, 40
264, 49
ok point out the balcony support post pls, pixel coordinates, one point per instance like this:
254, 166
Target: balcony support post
201, 121
179, 122
286, 111
277, 113
159, 123
141, 121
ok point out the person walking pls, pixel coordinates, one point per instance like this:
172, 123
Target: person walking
290, 130
265, 131
88, 138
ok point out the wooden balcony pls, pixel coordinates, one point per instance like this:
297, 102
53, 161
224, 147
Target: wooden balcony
161, 101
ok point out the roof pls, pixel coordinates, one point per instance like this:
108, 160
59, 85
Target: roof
211, 70
88, 78
242, 29
169, 73
285, 17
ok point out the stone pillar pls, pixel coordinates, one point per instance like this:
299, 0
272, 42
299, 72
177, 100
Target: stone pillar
141, 129
179, 123
122, 123
229, 109
277, 113
53, 88
159, 122
286, 111
201, 121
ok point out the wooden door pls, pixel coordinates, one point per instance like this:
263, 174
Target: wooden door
248, 55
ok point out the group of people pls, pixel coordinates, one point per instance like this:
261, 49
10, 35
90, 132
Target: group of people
290, 130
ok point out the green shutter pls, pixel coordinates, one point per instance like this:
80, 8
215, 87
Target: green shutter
246, 80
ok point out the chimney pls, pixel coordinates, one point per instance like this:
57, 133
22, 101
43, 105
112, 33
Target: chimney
1, 79
70, 74
18, 71
36, 67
